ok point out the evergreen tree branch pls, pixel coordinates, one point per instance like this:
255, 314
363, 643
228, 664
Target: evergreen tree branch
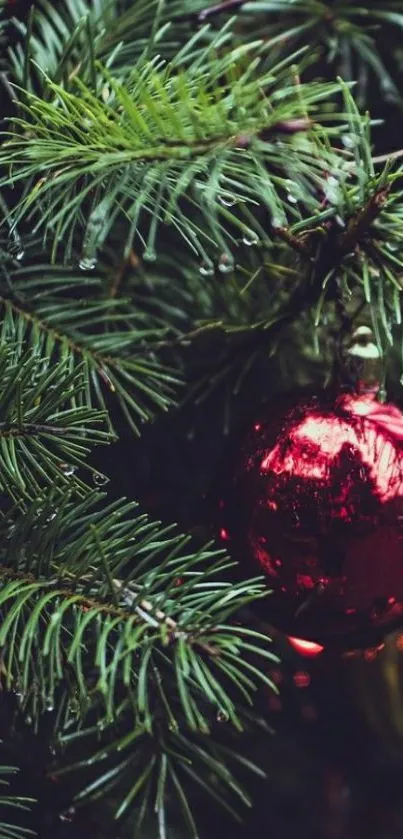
9, 826
133, 763
86, 549
110, 341
166, 137
111, 618
349, 35
66, 39
351, 242
44, 434
352, 248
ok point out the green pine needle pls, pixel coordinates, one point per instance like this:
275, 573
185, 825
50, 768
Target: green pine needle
164, 136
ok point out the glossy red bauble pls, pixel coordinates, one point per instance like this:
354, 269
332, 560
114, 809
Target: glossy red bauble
315, 501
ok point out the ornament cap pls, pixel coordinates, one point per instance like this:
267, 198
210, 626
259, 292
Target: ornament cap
366, 357
363, 344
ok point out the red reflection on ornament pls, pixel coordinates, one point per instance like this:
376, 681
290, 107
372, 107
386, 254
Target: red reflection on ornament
304, 581
301, 679
307, 648
224, 534
257, 426
264, 559
389, 417
315, 442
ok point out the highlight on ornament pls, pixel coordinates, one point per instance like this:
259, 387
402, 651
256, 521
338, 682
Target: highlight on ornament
305, 648
315, 501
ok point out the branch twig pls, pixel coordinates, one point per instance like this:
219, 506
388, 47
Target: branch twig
360, 223
293, 241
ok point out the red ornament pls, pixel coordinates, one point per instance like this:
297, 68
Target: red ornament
316, 501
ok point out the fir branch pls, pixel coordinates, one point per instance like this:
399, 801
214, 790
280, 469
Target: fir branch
44, 435
354, 242
11, 828
294, 242
359, 241
164, 137
111, 341
348, 35
192, 761
65, 40
152, 664
75, 588
9, 804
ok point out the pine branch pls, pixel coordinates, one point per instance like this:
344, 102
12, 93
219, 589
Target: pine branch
109, 616
89, 548
359, 240
165, 137
68, 39
192, 764
45, 435
353, 243
111, 341
351, 37
9, 819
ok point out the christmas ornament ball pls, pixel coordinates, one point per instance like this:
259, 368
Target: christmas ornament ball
315, 501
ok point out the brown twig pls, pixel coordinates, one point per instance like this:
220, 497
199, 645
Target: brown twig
117, 278
293, 241
360, 223
285, 126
